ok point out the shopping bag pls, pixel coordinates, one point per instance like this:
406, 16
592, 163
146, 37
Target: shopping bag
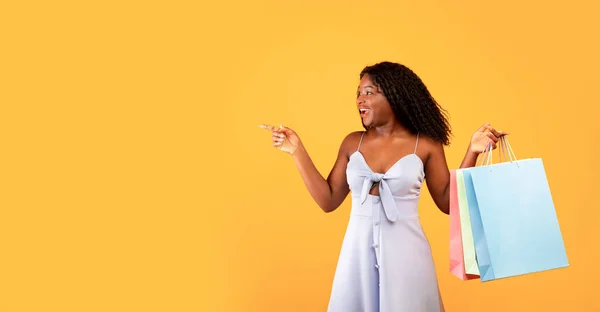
457, 264
519, 223
470, 260
486, 271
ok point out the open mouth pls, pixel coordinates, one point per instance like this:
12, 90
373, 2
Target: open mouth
364, 112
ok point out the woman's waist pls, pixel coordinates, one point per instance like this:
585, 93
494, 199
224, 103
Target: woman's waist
406, 207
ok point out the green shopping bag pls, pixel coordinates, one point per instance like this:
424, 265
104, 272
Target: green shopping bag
471, 266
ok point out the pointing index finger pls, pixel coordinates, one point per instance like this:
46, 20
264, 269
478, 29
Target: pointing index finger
268, 127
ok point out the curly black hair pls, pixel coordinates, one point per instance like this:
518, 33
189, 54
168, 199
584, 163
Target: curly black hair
411, 102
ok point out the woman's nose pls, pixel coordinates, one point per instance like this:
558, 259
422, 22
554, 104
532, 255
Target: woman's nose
360, 100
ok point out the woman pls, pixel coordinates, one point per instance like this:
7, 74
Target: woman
385, 263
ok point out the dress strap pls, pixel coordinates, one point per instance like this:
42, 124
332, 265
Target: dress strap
360, 142
416, 144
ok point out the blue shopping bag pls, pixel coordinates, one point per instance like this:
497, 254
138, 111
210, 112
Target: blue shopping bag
517, 231
486, 271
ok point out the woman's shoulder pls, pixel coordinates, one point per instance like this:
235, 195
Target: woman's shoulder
428, 141
428, 146
353, 137
351, 142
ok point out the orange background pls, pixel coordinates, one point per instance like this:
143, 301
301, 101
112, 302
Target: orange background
134, 176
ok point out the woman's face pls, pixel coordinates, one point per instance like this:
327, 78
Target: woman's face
373, 106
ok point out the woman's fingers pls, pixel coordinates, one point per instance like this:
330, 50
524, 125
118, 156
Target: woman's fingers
497, 133
268, 127
279, 137
277, 134
493, 137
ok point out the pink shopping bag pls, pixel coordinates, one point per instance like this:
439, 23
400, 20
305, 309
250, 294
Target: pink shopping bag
457, 261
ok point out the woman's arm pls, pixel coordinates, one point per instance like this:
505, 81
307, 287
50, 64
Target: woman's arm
328, 193
436, 168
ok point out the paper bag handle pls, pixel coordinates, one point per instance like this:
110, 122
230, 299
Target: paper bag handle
505, 150
486, 156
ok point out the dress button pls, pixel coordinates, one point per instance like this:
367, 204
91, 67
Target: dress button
376, 200
376, 223
377, 266
375, 245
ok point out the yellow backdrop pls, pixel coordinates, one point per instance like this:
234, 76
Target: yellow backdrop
134, 176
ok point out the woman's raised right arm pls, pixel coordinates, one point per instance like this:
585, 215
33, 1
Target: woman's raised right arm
328, 193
